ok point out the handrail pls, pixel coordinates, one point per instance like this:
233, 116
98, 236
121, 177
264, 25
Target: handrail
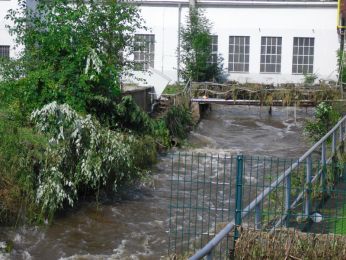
207, 249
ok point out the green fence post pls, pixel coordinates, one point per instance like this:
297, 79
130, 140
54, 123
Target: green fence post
288, 198
238, 195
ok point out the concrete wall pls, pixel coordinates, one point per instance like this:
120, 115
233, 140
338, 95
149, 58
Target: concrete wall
287, 21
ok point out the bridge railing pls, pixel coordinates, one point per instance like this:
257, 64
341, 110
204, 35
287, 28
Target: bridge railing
310, 174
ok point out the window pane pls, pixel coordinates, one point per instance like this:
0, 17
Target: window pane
303, 55
271, 54
144, 51
239, 51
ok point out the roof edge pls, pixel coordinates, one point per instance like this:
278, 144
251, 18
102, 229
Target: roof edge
220, 3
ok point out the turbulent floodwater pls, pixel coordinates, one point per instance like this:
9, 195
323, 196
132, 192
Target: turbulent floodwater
136, 226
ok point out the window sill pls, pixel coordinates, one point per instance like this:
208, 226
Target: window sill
240, 72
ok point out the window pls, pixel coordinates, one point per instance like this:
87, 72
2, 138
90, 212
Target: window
4, 51
271, 54
214, 49
144, 49
239, 52
303, 55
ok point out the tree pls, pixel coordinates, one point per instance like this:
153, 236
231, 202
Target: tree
76, 52
196, 54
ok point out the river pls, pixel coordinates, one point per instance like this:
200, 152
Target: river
136, 226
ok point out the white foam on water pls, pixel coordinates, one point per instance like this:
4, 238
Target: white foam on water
250, 179
203, 138
2, 245
17, 238
26, 255
119, 251
212, 151
4, 256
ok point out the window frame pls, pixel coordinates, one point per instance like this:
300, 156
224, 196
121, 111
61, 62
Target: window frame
2, 51
300, 54
271, 55
238, 54
144, 51
214, 53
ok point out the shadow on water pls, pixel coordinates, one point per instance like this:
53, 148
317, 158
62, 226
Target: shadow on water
136, 226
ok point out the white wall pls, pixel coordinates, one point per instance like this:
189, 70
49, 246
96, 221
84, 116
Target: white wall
163, 22
253, 21
5, 38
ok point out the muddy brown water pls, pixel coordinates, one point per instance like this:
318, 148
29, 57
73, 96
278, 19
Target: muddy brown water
136, 227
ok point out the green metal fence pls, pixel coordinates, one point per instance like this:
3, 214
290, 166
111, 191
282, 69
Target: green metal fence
213, 196
208, 192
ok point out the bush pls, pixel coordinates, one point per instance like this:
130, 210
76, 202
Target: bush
178, 121
21, 154
324, 119
82, 155
45, 171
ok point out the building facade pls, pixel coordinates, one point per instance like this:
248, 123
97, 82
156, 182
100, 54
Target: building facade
6, 41
267, 42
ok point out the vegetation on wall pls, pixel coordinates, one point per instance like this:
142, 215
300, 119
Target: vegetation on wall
196, 49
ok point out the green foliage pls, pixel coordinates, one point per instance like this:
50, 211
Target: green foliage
325, 118
45, 171
144, 151
131, 116
82, 155
309, 78
21, 154
341, 63
161, 134
74, 53
173, 89
178, 121
196, 52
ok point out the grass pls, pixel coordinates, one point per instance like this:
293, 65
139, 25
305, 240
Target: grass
289, 244
173, 89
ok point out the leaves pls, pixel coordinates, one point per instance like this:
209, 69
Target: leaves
73, 52
81, 154
325, 118
196, 50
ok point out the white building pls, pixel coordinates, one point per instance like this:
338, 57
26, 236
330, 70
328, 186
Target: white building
6, 42
260, 41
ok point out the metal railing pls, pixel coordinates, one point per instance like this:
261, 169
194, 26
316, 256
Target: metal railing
333, 140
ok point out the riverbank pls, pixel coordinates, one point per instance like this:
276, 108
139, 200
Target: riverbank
58, 156
136, 226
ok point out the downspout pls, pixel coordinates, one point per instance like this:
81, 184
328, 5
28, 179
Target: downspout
179, 31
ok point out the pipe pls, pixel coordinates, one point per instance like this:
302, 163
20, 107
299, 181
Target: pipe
179, 39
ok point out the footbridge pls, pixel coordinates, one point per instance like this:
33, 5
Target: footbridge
260, 95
